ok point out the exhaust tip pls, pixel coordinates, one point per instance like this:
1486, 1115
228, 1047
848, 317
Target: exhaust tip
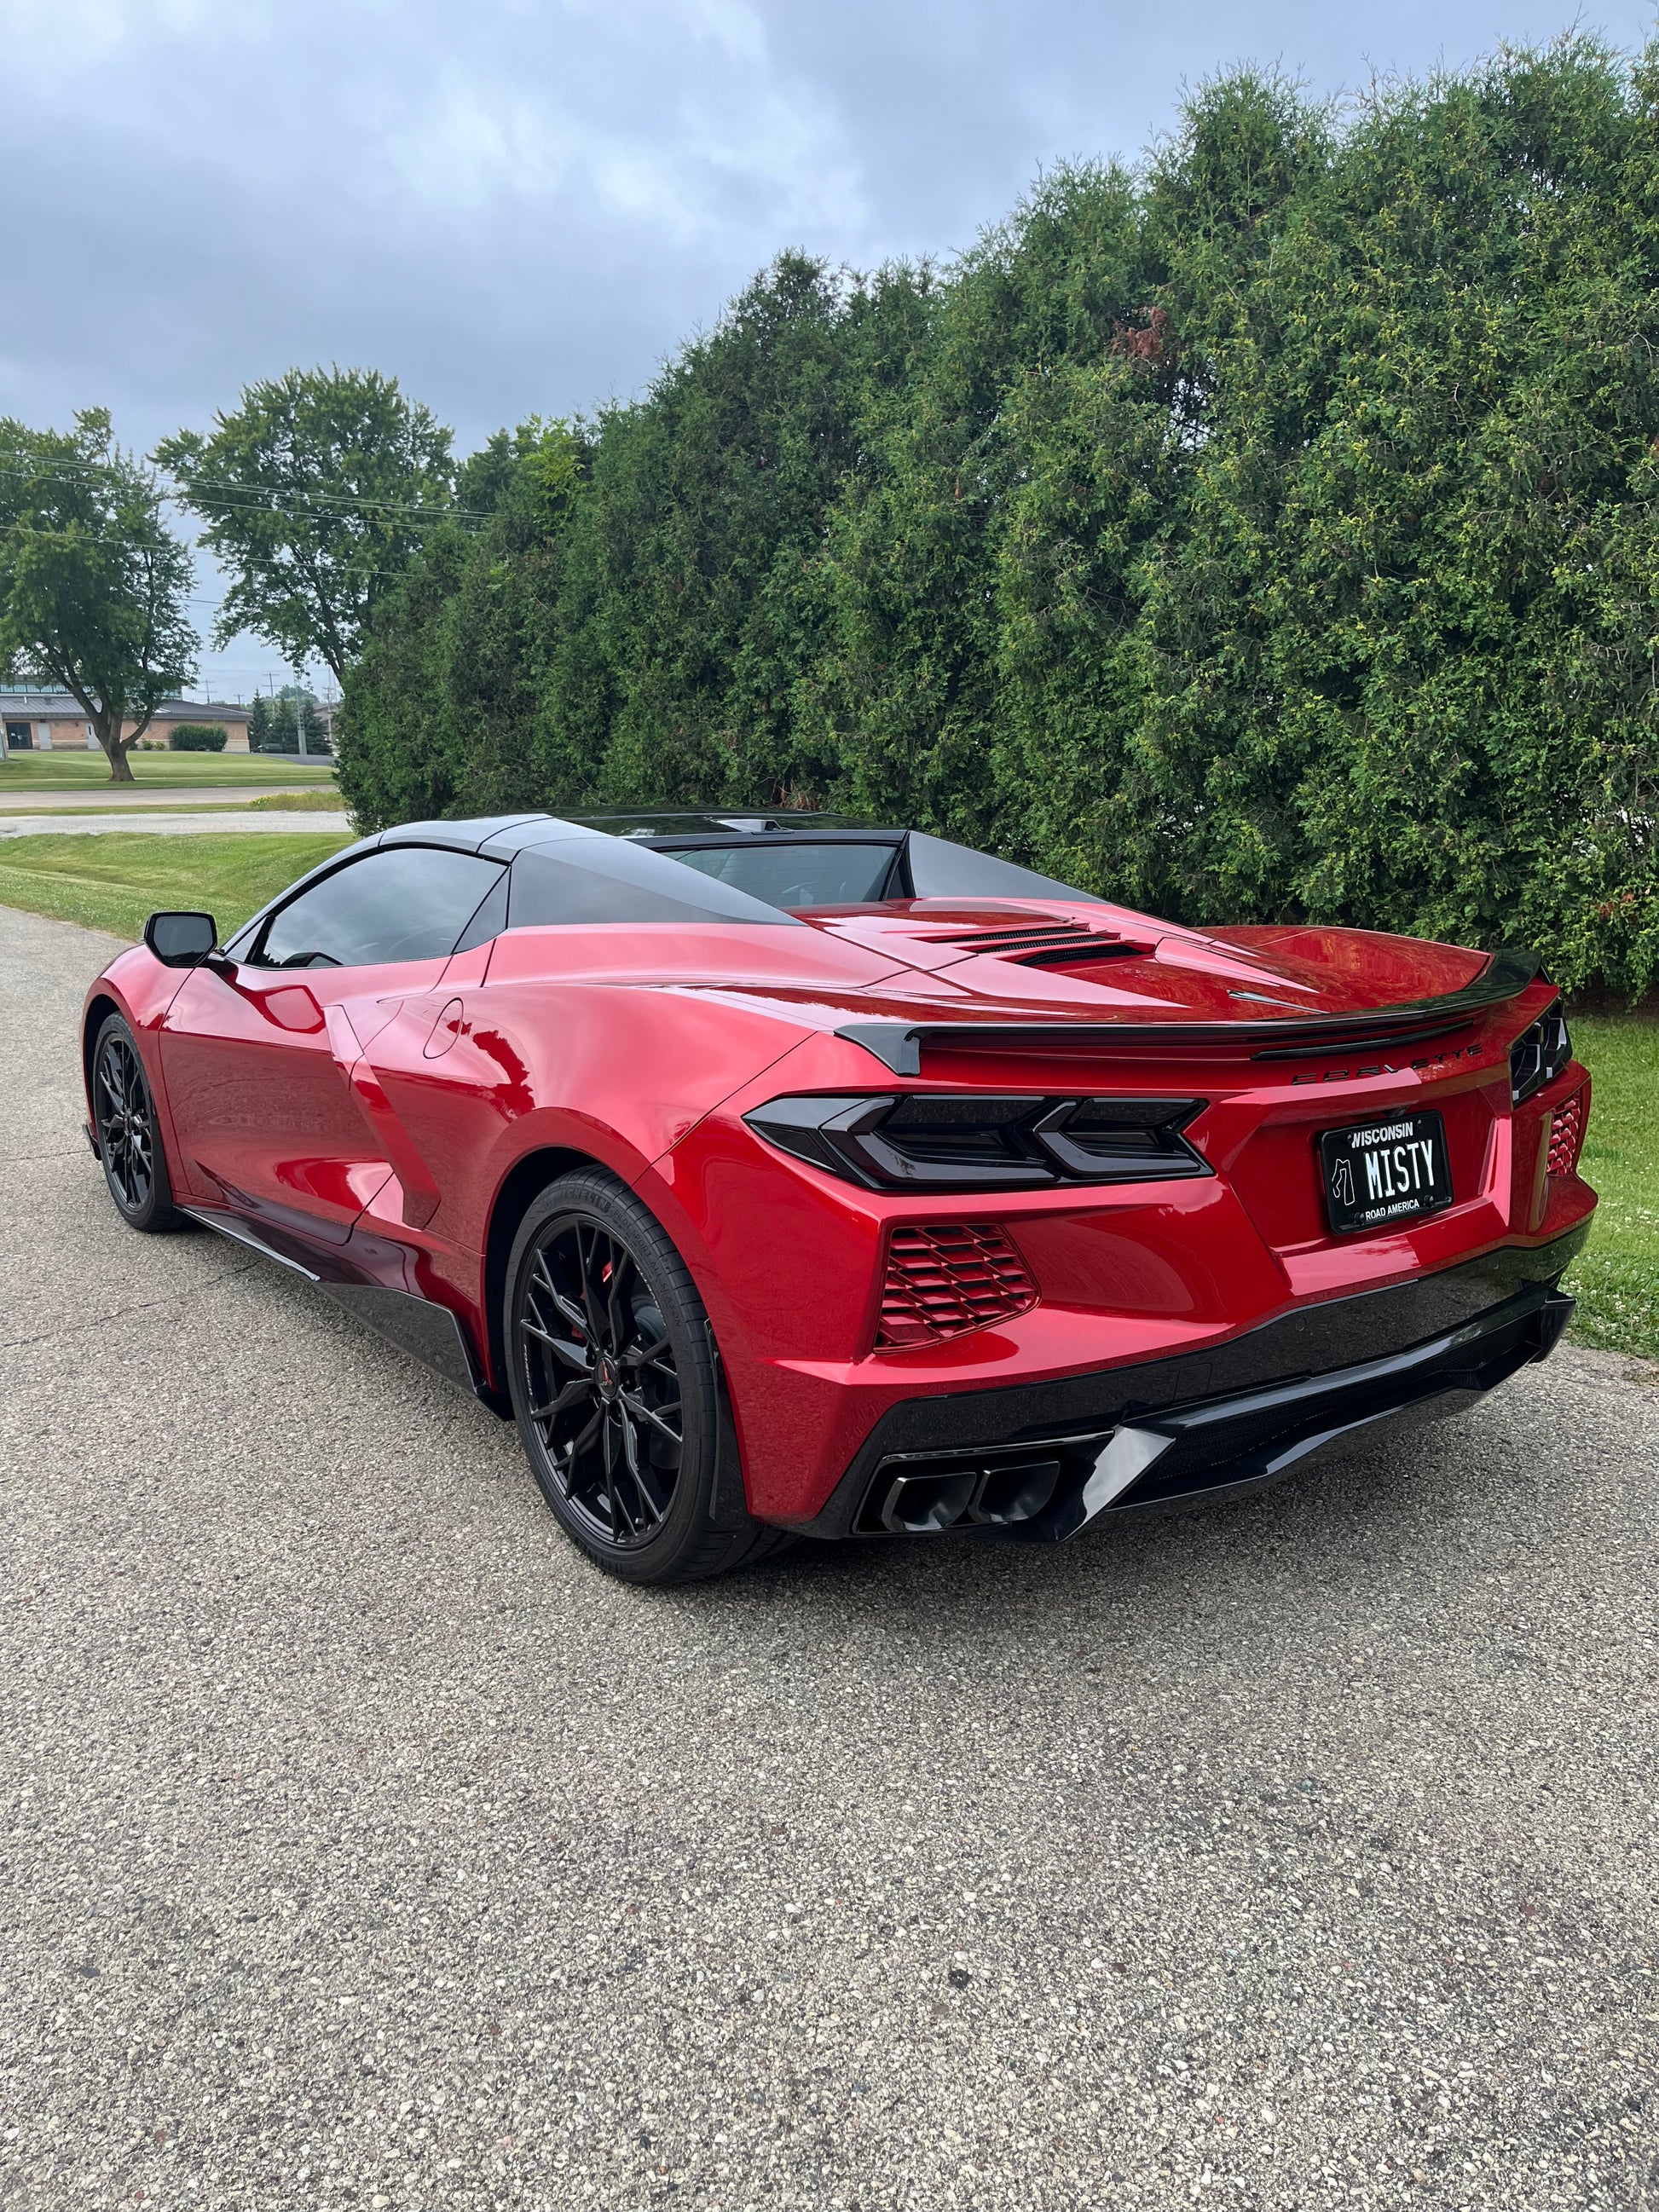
920, 1504
1011, 1494
916, 1504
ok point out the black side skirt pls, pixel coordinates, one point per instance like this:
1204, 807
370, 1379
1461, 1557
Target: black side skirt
433, 1334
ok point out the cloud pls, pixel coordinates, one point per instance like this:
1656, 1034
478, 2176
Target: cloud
62, 38
618, 133
524, 205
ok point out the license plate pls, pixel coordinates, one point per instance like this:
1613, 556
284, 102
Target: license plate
1385, 1171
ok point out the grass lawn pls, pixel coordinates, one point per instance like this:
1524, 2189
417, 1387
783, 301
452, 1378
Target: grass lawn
112, 882
23, 775
297, 802
1617, 1280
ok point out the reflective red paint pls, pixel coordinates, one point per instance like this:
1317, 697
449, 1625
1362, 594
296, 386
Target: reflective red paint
388, 1122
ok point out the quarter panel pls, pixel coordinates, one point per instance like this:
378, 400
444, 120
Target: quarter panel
481, 1077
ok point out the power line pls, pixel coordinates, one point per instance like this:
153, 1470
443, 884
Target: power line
250, 498
274, 574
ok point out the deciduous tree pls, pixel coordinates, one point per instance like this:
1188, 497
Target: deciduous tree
93, 585
316, 491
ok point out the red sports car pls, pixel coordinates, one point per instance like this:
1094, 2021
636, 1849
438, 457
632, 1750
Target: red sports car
780, 1175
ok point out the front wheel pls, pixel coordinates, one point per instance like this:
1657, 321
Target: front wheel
611, 1368
129, 1133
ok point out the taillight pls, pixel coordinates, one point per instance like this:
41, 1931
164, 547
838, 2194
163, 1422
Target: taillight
1540, 1054
1567, 1134
957, 1140
944, 1278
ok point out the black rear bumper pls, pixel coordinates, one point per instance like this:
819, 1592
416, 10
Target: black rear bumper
1039, 1460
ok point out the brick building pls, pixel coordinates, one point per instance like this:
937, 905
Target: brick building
51, 721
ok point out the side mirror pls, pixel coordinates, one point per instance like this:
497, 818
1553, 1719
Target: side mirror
181, 940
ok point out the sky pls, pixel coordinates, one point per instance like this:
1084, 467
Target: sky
523, 206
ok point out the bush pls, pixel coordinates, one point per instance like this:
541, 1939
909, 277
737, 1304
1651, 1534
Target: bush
1270, 533
197, 737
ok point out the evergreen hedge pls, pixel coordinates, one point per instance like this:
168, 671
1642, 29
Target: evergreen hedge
197, 738
1268, 532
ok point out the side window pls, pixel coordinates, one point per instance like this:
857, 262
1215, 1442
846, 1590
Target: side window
402, 902
576, 881
489, 921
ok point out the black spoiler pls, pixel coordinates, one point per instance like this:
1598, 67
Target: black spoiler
898, 1045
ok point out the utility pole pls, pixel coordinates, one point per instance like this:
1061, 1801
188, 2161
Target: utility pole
299, 714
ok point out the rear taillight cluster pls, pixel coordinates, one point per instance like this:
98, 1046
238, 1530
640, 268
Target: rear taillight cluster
1567, 1134
946, 1277
964, 1140
1540, 1054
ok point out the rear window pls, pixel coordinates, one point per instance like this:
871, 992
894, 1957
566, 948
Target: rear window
798, 874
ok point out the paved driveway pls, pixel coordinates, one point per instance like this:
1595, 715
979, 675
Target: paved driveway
364, 1847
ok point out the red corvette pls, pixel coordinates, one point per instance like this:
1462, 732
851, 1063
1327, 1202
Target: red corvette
777, 1174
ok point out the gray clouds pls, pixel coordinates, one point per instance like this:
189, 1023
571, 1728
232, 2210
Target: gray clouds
522, 205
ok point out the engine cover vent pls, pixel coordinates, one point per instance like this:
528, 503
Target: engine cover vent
1033, 934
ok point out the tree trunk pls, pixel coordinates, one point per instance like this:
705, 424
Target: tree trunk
120, 768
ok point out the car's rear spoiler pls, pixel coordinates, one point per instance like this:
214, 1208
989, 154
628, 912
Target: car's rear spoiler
898, 1045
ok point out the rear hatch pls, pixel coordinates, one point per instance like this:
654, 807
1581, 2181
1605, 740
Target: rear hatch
1288, 1036
1094, 959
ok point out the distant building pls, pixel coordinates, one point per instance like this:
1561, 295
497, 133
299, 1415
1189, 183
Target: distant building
51, 721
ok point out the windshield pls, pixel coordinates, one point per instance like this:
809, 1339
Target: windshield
804, 874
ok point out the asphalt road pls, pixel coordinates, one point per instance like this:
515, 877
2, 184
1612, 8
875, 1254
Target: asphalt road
362, 1846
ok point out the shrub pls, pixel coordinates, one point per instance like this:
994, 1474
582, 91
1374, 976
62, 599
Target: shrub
197, 737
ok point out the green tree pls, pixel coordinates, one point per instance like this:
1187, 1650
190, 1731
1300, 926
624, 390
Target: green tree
1270, 532
93, 584
274, 722
316, 491
452, 712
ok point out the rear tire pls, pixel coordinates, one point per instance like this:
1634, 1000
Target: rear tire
615, 1388
129, 1146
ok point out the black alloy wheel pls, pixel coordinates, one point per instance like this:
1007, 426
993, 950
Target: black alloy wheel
128, 1138
612, 1373
605, 1393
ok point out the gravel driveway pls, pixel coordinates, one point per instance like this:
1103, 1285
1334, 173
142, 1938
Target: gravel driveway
363, 1846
